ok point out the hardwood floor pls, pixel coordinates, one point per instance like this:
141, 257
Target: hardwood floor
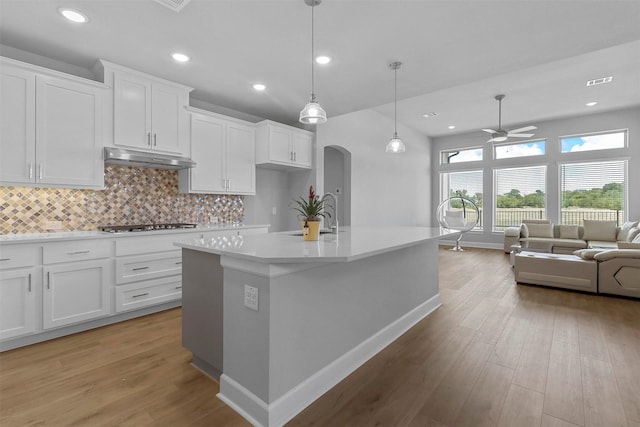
495, 354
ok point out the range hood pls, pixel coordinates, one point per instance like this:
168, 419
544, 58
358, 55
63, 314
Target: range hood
125, 157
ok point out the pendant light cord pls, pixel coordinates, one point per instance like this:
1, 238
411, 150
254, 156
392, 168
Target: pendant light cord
313, 94
395, 102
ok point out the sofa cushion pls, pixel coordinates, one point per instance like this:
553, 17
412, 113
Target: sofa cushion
540, 230
623, 233
620, 253
568, 231
524, 230
602, 244
568, 243
587, 253
599, 230
628, 245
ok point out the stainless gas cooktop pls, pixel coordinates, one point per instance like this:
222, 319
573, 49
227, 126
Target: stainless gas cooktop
144, 227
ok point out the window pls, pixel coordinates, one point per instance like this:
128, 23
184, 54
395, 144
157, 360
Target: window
519, 194
462, 155
600, 141
594, 190
522, 149
468, 183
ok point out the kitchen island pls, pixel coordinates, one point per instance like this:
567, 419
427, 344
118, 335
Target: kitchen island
281, 320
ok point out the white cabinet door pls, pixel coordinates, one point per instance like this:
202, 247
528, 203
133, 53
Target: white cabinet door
302, 148
18, 301
280, 145
207, 150
17, 125
75, 292
167, 109
132, 111
68, 133
241, 159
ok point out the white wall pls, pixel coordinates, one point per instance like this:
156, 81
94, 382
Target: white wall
551, 131
386, 189
272, 191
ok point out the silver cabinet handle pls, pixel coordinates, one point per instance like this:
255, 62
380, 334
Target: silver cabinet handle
140, 268
228, 183
5, 259
178, 287
179, 262
48, 280
78, 252
295, 156
149, 139
140, 295
40, 170
29, 282
30, 170
155, 139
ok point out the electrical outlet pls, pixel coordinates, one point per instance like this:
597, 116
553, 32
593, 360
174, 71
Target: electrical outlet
53, 225
338, 190
251, 297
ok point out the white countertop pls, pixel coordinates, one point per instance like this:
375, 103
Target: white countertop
82, 235
350, 244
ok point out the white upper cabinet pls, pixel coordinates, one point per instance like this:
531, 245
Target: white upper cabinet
148, 113
224, 151
283, 146
50, 129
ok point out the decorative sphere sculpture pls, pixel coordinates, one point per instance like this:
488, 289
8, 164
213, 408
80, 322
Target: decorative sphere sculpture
458, 213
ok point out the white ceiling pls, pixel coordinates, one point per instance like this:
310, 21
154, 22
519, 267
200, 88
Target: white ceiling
457, 54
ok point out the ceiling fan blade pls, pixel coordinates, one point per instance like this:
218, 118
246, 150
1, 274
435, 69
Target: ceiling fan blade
524, 129
490, 140
519, 135
490, 130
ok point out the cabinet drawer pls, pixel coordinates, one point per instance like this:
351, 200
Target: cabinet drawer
152, 292
75, 251
149, 244
144, 267
12, 256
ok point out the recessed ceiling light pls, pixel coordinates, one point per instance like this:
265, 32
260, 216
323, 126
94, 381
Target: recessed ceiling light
599, 81
431, 114
591, 104
180, 57
259, 87
74, 15
323, 60
452, 127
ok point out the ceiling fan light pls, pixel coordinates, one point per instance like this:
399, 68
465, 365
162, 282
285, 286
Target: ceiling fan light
395, 145
313, 113
499, 138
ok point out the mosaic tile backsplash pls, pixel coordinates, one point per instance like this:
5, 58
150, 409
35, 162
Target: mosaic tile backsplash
131, 196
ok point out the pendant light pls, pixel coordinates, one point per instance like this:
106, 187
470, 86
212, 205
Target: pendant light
395, 145
312, 113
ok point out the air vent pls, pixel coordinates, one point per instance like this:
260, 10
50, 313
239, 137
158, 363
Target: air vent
175, 5
600, 81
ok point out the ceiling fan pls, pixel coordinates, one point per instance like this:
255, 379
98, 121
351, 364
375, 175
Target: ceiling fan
501, 135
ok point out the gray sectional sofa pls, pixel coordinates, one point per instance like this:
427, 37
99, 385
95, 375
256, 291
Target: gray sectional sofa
607, 259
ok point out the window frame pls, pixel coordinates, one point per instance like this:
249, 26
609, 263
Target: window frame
480, 226
479, 147
494, 181
604, 132
529, 141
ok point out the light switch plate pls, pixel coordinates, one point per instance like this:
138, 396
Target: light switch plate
251, 297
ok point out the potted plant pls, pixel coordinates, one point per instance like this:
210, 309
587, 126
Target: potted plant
311, 210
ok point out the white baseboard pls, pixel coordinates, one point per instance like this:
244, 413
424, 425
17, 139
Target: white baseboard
282, 410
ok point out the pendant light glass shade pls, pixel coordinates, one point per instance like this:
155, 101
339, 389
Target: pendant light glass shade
312, 113
395, 145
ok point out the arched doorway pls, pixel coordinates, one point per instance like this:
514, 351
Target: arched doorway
337, 179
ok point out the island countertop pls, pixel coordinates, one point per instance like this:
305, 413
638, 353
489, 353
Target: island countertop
350, 244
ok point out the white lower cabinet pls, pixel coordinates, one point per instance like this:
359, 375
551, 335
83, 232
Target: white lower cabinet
18, 301
75, 292
148, 292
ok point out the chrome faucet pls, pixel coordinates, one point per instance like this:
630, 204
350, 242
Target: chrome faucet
334, 227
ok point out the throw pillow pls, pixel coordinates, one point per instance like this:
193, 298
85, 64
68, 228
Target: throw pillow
633, 233
600, 230
587, 254
623, 233
569, 232
636, 239
540, 230
524, 230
